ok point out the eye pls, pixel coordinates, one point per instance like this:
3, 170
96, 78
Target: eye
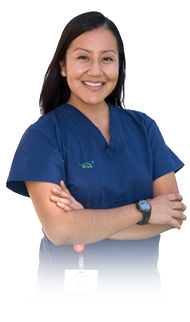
107, 59
82, 57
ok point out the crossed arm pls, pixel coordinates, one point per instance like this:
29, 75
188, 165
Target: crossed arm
65, 221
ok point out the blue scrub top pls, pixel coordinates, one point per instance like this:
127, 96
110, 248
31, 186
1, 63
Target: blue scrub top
65, 145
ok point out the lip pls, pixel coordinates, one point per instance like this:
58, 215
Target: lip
93, 85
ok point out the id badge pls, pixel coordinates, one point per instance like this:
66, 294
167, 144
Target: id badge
81, 280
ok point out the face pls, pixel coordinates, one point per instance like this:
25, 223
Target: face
92, 67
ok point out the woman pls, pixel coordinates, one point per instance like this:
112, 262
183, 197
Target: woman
100, 177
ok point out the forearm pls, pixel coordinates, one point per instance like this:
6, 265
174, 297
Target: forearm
88, 226
78, 226
65, 221
136, 232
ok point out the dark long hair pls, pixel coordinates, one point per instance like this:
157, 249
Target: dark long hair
55, 90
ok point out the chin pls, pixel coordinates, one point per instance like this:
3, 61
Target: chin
93, 102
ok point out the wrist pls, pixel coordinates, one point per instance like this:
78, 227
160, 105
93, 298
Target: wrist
145, 208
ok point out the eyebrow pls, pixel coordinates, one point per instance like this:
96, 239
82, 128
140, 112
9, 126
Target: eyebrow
103, 51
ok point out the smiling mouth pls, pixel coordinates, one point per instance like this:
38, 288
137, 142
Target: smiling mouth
93, 84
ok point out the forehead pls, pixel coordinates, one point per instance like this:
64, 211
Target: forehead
100, 39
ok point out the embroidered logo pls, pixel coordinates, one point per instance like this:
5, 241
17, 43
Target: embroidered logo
86, 165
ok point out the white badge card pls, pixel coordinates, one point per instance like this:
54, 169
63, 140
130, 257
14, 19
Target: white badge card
81, 280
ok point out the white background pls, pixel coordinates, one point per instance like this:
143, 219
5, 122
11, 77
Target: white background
156, 36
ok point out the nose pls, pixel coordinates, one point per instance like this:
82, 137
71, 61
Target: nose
95, 69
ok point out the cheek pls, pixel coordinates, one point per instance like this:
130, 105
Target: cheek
113, 79
74, 77
113, 74
75, 70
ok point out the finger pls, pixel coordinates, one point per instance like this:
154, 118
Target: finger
68, 195
63, 206
179, 215
63, 186
60, 193
53, 198
174, 197
61, 200
176, 224
179, 206
56, 190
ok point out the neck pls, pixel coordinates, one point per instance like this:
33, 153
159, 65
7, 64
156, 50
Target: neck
96, 112
99, 115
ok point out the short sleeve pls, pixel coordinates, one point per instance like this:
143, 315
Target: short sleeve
37, 158
164, 159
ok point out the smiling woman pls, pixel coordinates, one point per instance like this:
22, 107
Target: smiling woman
92, 68
116, 190
55, 90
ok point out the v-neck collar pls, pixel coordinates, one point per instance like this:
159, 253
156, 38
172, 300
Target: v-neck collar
94, 130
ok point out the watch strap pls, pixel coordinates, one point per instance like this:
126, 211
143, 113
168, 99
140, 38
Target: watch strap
146, 214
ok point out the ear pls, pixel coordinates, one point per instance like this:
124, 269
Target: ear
62, 69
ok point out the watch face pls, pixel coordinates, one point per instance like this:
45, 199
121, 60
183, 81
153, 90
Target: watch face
144, 205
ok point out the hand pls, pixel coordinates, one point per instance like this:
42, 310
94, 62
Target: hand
64, 199
168, 209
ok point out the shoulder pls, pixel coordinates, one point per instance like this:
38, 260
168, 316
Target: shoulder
48, 119
48, 123
45, 131
134, 117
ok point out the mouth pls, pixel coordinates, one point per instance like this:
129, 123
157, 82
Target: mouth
95, 85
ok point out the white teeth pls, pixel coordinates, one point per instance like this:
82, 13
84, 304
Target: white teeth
93, 84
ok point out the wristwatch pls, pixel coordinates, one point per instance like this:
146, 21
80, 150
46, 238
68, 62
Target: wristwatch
145, 208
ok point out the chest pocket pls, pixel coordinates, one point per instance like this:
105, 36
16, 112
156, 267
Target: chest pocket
83, 182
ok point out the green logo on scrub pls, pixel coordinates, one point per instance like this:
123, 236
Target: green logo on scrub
86, 165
